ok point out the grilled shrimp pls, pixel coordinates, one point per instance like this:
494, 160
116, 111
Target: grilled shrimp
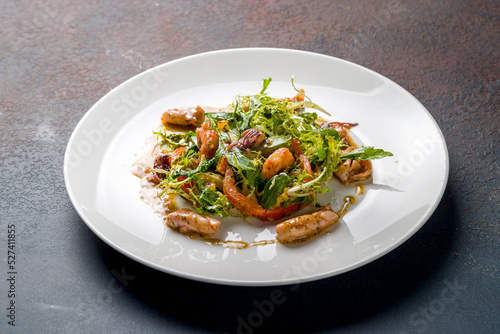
184, 116
208, 141
279, 212
276, 162
305, 226
237, 199
186, 221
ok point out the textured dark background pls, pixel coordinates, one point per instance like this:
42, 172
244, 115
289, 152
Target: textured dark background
57, 58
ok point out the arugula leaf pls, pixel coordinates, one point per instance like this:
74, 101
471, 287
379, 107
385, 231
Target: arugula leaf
242, 120
322, 152
275, 142
242, 161
244, 165
273, 189
366, 153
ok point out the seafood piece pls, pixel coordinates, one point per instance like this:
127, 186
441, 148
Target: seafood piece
300, 96
279, 212
276, 162
304, 162
184, 116
186, 221
297, 98
342, 129
164, 161
249, 138
303, 227
222, 165
208, 141
353, 170
237, 199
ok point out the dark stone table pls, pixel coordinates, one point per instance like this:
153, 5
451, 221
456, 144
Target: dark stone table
58, 57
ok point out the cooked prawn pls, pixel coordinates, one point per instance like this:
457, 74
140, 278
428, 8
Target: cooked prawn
237, 199
184, 116
208, 141
304, 162
276, 162
186, 221
279, 212
303, 227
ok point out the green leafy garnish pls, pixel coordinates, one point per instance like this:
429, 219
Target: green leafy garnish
330, 165
212, 201
275, 142
273, 189
366, 153
202, 168
242, 120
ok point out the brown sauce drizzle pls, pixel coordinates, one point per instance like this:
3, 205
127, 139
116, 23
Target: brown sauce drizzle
348, 201
360, 189
262, 242
228, 243
170, 204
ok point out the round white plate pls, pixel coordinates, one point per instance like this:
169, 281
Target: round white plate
403, 194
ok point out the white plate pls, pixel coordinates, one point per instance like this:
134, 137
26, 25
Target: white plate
405, 191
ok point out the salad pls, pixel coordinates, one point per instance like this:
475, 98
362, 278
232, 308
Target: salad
261, 157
